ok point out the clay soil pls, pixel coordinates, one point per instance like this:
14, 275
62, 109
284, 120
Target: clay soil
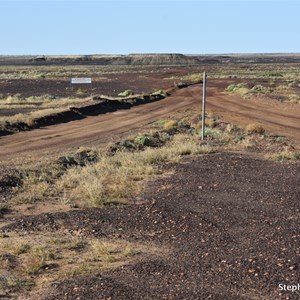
230, 222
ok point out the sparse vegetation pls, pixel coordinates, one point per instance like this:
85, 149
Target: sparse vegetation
91, 177
68, 257
194, 77
235, 87
126, 93
285, 155
167, 124
294, 98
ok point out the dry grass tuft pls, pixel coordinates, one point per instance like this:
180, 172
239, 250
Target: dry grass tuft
29, 118
170, 124
255, 128
285, 155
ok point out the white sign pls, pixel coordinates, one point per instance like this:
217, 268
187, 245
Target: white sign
81, 80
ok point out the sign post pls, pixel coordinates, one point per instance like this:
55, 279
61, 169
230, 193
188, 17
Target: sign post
203, 106
81, 81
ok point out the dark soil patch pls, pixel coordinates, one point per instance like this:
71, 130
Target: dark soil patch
231, 222
140, 80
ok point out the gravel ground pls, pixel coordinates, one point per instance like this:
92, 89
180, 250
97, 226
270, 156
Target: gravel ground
231, 222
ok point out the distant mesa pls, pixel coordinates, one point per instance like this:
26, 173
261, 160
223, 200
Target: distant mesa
144, 59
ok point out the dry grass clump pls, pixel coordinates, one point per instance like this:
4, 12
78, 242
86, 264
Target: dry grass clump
285, 155
37, 259
184, 144
260, 89
294, 98
170, 124
119, 178
255, 128
194, 77
247, 143
112, 179
114, 250
21, 248
37, 183
48, 259
29, 118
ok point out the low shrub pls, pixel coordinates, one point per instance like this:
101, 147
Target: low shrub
142, 140
235, 87
170, 124
126, 93
255, 128
286, 155
160, 93
259, 89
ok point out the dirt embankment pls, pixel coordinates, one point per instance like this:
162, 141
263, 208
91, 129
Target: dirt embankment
78, 113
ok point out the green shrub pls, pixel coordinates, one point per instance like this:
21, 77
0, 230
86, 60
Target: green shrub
159, 93
142, 140
126, 93
235, 87
275, 74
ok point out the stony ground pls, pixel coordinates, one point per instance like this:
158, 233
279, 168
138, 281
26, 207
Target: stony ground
230, 222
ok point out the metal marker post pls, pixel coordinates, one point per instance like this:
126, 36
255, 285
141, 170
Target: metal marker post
203, 105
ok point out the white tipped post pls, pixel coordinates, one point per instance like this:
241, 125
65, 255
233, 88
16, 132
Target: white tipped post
203, 106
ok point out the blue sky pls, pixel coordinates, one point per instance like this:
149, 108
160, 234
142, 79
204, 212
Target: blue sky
121, 27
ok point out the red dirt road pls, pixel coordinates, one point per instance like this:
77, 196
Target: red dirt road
278, 118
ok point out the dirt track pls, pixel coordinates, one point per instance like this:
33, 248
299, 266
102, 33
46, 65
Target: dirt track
278, 118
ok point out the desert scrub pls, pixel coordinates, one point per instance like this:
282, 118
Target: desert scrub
44, 101
235, 87
29, 119
126, 93
37, 183
142, 140
117, 179
276, 75
285, 155
167, 124
294, 98
36, 259
110, 180
194, 77
255, 128
260, 89
189, 145
240, 88
21, 248
159, 93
